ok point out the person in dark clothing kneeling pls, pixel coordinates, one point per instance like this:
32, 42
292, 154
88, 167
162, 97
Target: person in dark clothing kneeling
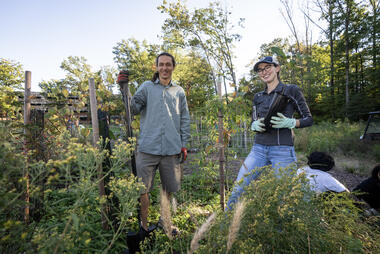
369, 189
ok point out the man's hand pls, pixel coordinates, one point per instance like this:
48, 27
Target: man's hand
282, 122
258, 125
183, 154
123, 77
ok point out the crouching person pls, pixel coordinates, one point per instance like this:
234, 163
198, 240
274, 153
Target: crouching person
369, 190
316, 172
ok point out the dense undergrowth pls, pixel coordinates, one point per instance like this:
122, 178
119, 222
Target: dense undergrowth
339, 137
279, 215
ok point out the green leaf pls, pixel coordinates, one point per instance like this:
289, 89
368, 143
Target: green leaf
278, 51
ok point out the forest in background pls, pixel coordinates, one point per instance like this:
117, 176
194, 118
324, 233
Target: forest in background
339, 74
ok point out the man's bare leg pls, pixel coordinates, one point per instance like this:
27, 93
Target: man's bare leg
144, 201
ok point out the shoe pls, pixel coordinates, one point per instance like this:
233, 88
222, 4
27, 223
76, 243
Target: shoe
174, 229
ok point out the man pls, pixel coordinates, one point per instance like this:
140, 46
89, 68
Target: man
316, 172
164, 130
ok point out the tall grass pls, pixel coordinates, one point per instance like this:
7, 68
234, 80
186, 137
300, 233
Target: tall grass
340, 137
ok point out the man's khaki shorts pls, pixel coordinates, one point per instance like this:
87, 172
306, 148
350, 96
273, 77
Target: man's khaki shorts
169, 167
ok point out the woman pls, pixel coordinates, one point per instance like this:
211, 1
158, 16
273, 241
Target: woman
273, 121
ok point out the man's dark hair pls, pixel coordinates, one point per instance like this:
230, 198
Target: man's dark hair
165, 54
321, 161
375, 172
155, 75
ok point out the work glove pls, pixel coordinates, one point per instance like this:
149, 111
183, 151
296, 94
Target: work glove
282, 121
123, 77
183, 154
258, 125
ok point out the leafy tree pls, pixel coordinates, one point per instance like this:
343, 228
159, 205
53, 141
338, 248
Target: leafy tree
192, 72
328, 11
77, 74
70, 95
109, 101
194, 75
11, 78
205, 29
138, 58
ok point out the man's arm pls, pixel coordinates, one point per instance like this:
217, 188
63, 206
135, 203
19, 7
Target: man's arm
139, 100
185, 121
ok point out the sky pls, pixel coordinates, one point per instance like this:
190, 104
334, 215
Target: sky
40, 34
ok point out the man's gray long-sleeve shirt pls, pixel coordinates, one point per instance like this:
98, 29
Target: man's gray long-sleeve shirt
165, 119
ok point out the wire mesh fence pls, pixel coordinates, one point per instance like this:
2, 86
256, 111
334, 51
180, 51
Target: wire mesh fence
204, 135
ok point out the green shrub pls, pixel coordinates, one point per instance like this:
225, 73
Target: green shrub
281, 215
12, 185
376, 151
72, 221
342, 136
65, 206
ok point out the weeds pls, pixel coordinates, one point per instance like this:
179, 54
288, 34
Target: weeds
283, 216
277, 215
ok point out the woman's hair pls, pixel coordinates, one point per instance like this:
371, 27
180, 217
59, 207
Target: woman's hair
155, 75
321, 161
375, 172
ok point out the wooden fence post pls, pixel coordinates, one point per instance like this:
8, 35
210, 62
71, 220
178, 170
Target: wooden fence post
221, 147
95, 139
27, 134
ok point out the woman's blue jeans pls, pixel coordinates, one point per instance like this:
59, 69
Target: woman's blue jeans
260, 156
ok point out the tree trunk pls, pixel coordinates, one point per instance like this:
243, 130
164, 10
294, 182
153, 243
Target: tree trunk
347, 55
221, 148
27, 107
331, 39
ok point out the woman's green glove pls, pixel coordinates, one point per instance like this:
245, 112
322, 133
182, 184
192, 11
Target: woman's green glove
282, 122
258, 125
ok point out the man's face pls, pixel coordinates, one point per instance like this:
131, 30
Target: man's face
268, 72
165, 67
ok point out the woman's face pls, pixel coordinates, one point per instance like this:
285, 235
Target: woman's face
268, 72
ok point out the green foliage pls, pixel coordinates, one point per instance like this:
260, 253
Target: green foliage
194, 75
72, 218
11, 77
192, 72
282, 216
138, 58
12, 184
197, 188
341, 136
339, 73
197, 199
376, 151
205, 29
64, 201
